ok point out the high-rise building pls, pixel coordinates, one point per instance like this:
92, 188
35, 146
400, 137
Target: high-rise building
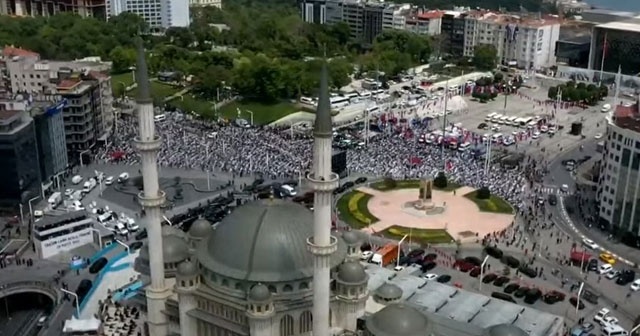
20, 169
51, 141
156, 13
424, 22
313, 11
84, 8
616, 44
452, 29
525, 42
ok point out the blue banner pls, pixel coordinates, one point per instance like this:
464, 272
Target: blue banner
57, 108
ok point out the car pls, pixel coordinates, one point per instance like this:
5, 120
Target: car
398, 268
609, 320
510, 288
430, 257
109, 180
503, 296
553, 199
348, 185
482, 126
601, 314
614, 273
444, 278
501, 281
415, 253
590, 244
429, 265
564, 187
361, 180
520, 292
475, 272
489, 278
473, 260
69, 192
462, 265
553, 296
635, 286
587, 327
510, 261
98, 265
366, 255
532, 296
141, 235
625, 277
574, 302
528, 271
135, 245
607, 258
535, 135
430, 276
494, 252
592, 265
598, 136
604, 269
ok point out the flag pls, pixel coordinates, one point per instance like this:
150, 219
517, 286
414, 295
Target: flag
449, 165
605, 47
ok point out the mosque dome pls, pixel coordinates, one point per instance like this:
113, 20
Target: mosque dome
504, 330
201, 228
351, 238
187, 269
174, 249
264, 241
352, 272
398, 320
389, 292
259, 293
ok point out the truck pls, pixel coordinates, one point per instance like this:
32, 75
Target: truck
89, 185
55, 199
386, 255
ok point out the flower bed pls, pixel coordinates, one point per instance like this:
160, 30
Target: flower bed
352, 209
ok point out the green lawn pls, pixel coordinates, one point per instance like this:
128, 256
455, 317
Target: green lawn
421, 236
409, 184
189, 103
262, 113
159, 90
352, 209
493, 204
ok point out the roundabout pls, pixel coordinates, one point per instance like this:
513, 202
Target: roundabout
430, 215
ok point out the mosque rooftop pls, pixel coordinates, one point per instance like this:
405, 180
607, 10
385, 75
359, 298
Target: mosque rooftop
453, 309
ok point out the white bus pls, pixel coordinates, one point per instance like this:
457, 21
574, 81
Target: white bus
351, 95
490, 116
338, 102
372, 109
496, 118
513, 121
525, 121
307, 100
503, 120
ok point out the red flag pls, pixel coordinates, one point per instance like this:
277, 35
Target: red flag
449, 165
605, 47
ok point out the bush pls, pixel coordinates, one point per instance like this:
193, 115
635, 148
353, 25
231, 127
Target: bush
440, 181
483, 193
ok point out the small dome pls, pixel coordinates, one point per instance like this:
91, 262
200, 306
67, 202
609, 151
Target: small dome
351, 238
352, 272
259, 293
168, 230
187, 269
504, 330
398, 320
389, 292
201, 228
174, 249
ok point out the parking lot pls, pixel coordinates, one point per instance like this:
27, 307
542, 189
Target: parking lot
550, 281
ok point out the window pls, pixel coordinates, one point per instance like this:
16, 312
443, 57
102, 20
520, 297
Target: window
306, 322
286, 325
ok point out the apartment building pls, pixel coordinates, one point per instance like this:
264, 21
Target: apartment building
424, 22
452, 28
524, 42
156, 13
84, 8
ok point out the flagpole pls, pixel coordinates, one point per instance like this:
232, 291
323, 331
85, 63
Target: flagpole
604, 50
444, 127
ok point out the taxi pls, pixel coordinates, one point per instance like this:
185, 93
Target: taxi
607, 258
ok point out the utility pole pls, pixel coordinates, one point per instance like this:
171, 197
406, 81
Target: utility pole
444, 128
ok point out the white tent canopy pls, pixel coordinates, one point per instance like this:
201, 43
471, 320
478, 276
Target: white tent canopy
76, 325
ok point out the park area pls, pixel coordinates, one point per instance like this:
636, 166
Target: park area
392, 209
263, 113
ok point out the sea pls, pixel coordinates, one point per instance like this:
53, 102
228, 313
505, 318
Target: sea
619, 5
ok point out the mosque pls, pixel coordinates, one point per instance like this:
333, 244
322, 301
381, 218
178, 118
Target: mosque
272, 267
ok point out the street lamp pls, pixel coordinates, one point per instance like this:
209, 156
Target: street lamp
400, 243
484, 262
634, 329
77, 300
31, 206
578, 297
123, 245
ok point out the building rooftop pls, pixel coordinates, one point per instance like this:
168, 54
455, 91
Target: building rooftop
428, 15
11, 51
526, 21
624, 26
8, 115
609, 12
627, 116
48, 221
444, 304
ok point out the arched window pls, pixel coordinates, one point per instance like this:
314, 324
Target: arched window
330, 318
287, 288
306, 322
225, 282
286, 325
304, 285
272, 289
239, 286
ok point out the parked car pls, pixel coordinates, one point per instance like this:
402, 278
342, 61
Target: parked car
489, 278
503, 296
463, 265
415, 253
530, 272
601, 314
444, 278
635, 286
429, 265
430, 257
532, 296
553, 296
430, 276
510, 288
592, 265
361, 180
613, 274
553, 199
574, 301
510, 261
626, 277
141, 235
605, 268
520, 292
501, 281
475, 272
608, 321
473, 260
98, 265
494, 252
136, 245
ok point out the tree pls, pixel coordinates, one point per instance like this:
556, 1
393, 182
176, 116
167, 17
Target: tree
211, 82
552, 93
485, 56
123, 58
483, 193
498, 77
440, 181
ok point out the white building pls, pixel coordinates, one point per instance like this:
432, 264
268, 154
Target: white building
424, 22
619, 183
157, 13
205, 3
523, 42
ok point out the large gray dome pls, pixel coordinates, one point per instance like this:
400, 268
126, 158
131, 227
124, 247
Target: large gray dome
352, 272
398, 320
264, 241
259, 293
201, 228
174, 249
351, 238
504, 330
389, 291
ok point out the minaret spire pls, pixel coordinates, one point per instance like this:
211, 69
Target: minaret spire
615, 95
323, 181
151, 198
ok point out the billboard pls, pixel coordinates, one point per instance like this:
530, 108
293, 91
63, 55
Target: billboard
53, 246
627, 83
57, 108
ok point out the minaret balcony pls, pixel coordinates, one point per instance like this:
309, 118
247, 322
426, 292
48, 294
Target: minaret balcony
149, 201
325, 183
147, 145
320, 250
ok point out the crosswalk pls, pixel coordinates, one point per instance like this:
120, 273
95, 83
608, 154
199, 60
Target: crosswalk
554, 191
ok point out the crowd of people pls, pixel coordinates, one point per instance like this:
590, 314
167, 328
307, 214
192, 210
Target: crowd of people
278, 153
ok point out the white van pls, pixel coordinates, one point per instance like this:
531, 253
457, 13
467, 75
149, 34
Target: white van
496, 118
123, 177
105, 218
463, 147
490, 116
159, 118
289, 190
496, 137
605, 108
307, 100
76, 179
614, 330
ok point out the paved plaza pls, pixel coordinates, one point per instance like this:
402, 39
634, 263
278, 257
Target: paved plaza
453, 212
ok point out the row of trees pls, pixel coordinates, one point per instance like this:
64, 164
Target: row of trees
578, 93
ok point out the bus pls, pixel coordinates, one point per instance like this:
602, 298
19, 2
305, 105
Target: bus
307, 100
372, 109
490, 116
513, 121
503, 120
338, 102
525, 121
496, 118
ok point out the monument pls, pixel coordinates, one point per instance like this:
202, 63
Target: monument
425, 197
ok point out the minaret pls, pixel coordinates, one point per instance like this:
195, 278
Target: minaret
151, 198
323, 181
